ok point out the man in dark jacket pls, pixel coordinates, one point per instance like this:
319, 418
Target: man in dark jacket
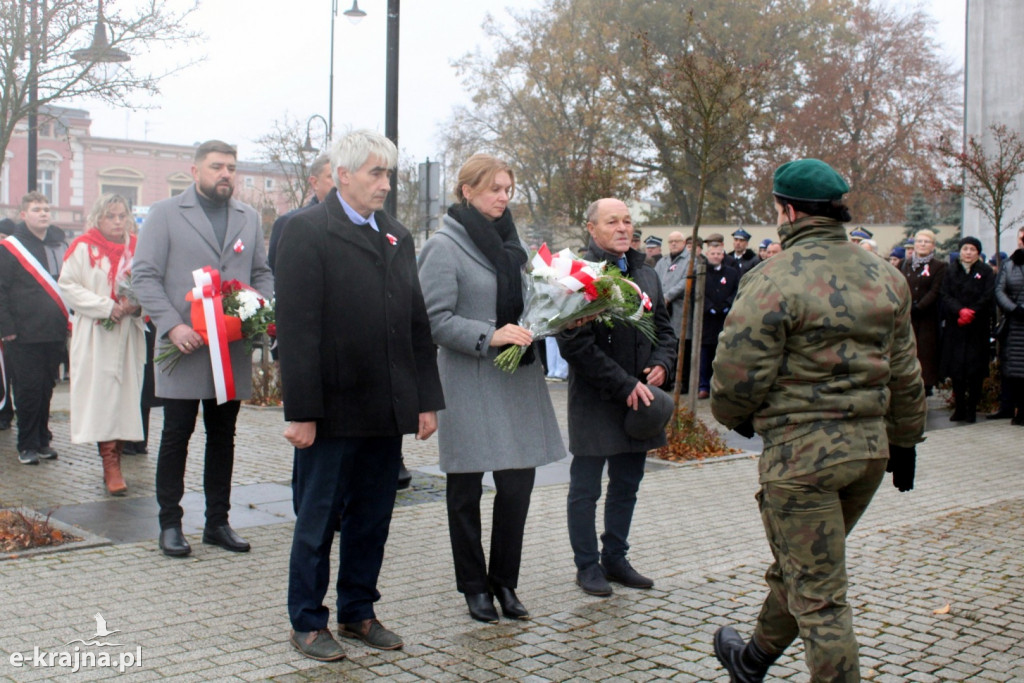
321, 181
719, 292
33, 321
742, 258
358, 370
609, 373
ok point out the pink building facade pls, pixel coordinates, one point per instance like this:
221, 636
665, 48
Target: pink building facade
74, 168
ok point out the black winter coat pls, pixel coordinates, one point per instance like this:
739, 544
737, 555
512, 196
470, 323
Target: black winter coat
965, 350
353, 334
744, 263
925, 289
25, 307
605, 364
1010, 297
719, 293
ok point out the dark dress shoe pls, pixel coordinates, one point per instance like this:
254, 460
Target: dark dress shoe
593, 581
510, 605
1000, 415
226, 538
404, 475
173, 542
621, 571
481, 607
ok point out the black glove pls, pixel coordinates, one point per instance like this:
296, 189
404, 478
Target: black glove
902, 461
745, 428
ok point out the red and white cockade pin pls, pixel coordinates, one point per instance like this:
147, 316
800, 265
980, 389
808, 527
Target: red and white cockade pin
239, 247
392, 239
723, 280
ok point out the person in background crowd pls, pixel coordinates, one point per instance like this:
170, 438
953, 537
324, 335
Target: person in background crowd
832, 401
33, 321
108, 337
774, 249
719, 292
6, 398
321, 181
968, 295
741, 258
869, 245
996, 261
347, 289
1010, 298
896, 256
924, 274
201, 227
652, 245
636, 242
671, 273
860, 234
148, 399
471, 274
611, 371
762, 249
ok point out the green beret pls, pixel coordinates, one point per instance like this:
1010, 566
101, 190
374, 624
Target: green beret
810, 180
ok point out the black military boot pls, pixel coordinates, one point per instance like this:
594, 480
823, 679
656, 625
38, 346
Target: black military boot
745, 662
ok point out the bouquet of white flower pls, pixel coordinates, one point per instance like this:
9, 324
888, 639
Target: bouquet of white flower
559, 289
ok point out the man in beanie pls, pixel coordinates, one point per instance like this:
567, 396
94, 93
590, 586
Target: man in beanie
818, 357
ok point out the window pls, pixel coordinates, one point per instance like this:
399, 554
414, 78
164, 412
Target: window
124, 181
178, 183
268, 183
249, 182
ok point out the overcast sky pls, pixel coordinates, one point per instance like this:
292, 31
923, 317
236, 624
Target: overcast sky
269, 58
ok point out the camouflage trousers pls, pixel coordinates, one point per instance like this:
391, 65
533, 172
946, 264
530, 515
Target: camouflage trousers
807, 520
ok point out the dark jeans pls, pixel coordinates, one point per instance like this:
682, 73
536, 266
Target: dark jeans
354, 479
34, 369
625, 471
179, 423
511, 505
707, 357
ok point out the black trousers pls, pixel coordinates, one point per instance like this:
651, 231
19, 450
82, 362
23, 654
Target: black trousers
511, 505
7, 412
179, 423
35, 367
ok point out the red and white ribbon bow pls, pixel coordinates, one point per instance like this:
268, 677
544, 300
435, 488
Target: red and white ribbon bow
571, 273
207, 290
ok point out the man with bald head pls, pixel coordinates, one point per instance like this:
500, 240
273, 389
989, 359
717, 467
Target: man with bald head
611, 372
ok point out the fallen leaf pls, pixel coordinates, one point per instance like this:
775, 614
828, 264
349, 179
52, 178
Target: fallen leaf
942, 610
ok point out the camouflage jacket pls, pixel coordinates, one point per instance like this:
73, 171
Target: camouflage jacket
818, 351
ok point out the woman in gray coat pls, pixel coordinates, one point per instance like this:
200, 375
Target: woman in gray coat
470, 272
1010, 297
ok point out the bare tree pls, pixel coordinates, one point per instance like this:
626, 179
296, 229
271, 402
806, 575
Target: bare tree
989, 177
284, 149
40, 39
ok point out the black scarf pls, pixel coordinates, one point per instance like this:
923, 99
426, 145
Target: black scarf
499, 242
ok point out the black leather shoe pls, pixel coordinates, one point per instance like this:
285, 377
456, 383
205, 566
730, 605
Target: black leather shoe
1000, 415
226, 538
481, 607
510, 605
404, 475
621, 571
593, 582
745, 662
173, 542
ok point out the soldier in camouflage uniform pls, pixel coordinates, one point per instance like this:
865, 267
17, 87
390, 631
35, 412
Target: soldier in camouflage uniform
818, 356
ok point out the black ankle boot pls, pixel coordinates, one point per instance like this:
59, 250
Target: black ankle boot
745, 662
481, 607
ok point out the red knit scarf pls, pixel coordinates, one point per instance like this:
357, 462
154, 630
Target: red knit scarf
99, 246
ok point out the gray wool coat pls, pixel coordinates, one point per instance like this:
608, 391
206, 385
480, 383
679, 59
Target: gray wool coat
492, 420
176, 239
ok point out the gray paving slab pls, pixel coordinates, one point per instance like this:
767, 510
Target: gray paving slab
955, 540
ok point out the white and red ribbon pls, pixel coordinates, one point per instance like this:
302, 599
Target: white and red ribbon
3, 378
36, 270
571, 273
207, 290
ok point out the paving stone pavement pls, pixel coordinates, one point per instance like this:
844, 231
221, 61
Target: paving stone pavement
955, 541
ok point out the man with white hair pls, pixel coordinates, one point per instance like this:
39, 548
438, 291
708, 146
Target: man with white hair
358, 370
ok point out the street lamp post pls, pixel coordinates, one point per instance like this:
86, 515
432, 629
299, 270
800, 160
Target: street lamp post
391, 85
99, 52
308, 145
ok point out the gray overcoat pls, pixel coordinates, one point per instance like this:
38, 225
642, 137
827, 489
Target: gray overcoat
1010, 296
177, 238
492, 420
